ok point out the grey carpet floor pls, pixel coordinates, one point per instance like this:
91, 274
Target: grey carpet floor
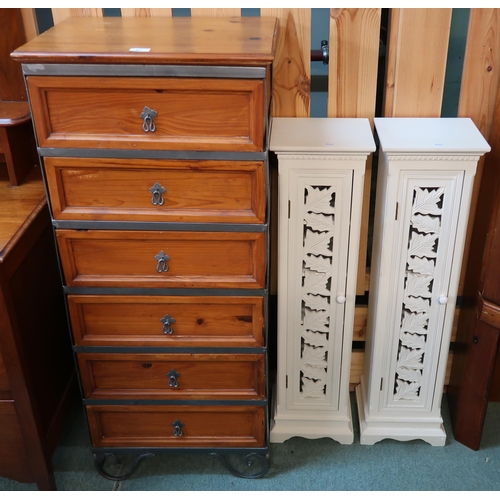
297, 465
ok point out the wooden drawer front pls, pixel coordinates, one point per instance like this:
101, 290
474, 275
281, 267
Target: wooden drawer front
192, 113
186, 191
131, 259
172, 376
99, 320
151, 426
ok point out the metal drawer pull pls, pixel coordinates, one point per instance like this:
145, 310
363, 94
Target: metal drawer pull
162, 258
177, 425
157, 191
148, 115
167, 321
172, 378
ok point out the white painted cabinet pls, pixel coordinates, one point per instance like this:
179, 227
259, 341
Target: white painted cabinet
425, 177
321, 164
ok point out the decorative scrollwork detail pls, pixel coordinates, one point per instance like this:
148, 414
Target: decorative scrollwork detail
318, 228
250, 460
425, 226
100, 459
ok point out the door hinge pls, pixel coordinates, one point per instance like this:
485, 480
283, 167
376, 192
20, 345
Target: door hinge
288, 208
397, 210
286, 381
381, 383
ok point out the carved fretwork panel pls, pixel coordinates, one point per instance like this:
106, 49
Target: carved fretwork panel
318, 225
427, 223
423, 243
318, 246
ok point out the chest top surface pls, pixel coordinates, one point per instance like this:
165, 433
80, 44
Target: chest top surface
155, 40
430, 135
326, 135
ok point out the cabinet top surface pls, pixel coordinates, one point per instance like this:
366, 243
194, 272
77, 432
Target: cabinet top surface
430, 135
327, 135
155, 40
17, 204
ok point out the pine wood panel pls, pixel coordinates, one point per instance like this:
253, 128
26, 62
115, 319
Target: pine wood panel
59, 15
151, 426
352, 88
291, 68
291, 89
201, 321
30, 23
195, 114
172, 376
146, 12
114, 258
215, 12
481, 73
179, 40
122, 189
478, 91
416, 62
354, 49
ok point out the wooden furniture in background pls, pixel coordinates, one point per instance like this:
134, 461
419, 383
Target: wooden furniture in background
475, 375
17, 142
165, 199
36, 365
425, 178
321, 163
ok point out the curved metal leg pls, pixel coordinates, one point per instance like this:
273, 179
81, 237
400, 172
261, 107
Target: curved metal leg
100, 458
263, 461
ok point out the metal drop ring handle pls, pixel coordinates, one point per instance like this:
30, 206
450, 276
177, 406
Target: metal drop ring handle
172, 378
167, 321
162, 258
148, 115
177, 425
157, 191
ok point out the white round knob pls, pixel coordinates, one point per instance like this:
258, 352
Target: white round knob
443, 299
340, 299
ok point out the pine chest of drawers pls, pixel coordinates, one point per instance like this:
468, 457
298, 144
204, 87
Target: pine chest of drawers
153, 138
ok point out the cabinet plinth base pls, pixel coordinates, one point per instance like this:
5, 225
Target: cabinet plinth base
302, 424
372, 431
